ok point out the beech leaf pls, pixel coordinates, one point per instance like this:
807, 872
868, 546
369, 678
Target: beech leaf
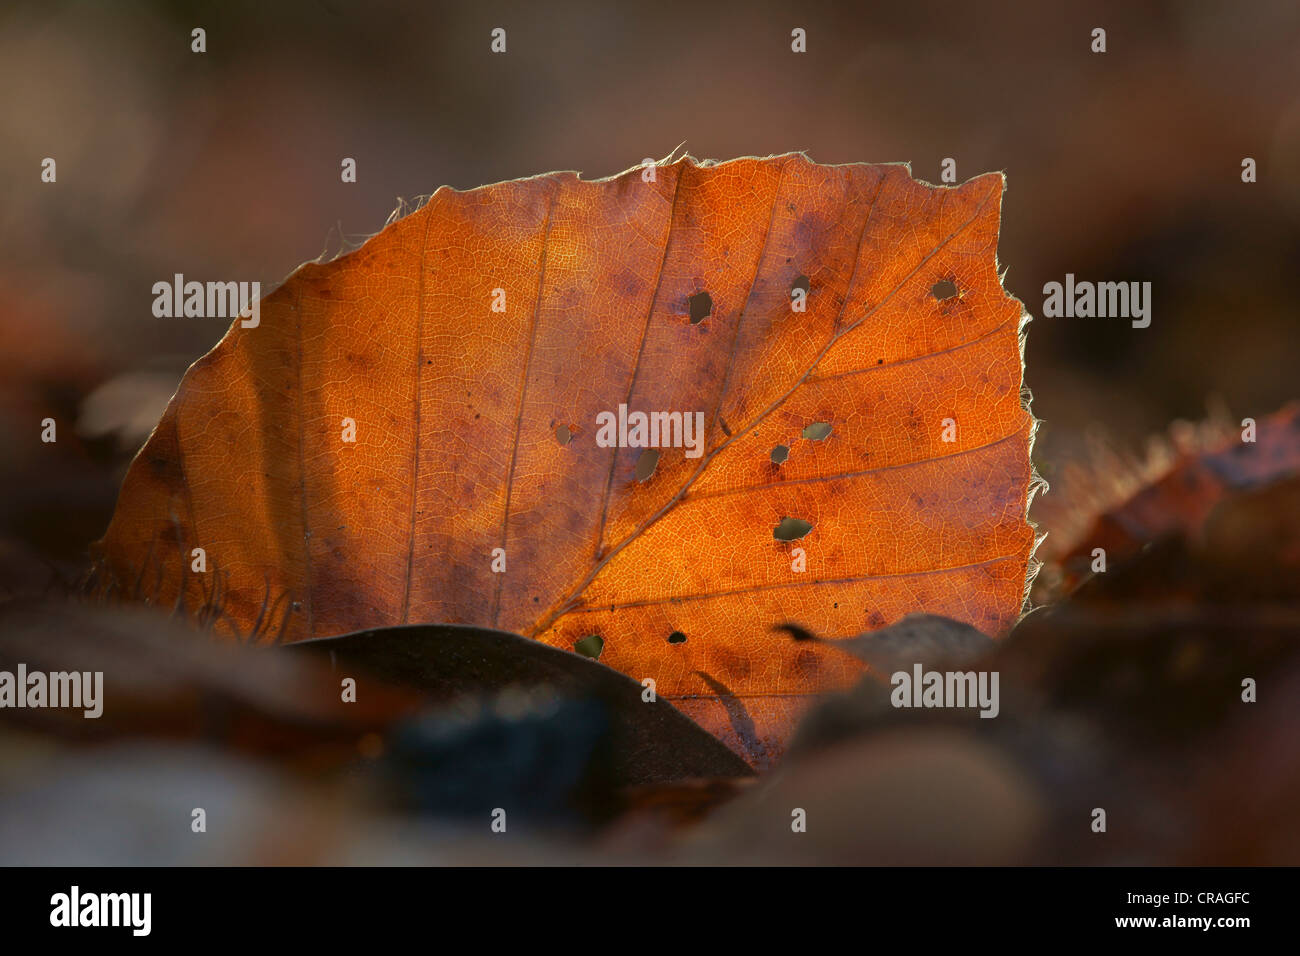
482, 346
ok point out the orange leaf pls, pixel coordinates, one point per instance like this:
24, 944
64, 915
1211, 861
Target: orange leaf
885, 420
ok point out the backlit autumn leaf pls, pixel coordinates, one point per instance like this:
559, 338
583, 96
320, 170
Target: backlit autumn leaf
859, 460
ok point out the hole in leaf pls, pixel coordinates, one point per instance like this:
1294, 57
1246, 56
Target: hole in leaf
817, 430
791, 529
590, 646
646, 463
676, 637
779, 454
943, 289
701, 306
563, 434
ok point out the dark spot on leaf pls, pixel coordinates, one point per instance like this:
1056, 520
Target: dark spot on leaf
563, 435
817, 430
701, 306
590, 646
791, 529
676, 637
803, 283
646, 463
779, 454
795, 631
943, 289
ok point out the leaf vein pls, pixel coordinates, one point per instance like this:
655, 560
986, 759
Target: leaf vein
568, 604
523, 391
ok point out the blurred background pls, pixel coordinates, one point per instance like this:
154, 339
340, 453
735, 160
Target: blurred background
1122, 166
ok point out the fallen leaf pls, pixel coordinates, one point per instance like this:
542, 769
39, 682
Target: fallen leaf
647, 741
1185, 496
926, 639
162, 680
664, 289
